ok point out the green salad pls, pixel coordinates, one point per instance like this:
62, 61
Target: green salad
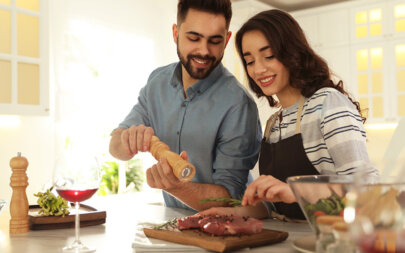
334, 205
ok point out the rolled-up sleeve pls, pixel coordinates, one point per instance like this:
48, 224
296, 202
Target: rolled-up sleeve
238, 148
139, 114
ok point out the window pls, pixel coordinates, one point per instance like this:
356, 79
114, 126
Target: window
368, 23
399, 14
370, 80
400, 84
23, 57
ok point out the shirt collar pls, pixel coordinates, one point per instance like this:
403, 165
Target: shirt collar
201, 85
291, 107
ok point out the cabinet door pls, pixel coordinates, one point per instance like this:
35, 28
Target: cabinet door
370, 64
397, 77
309, 24
396, 21
24, 57
338, 59
369, 23
334, 28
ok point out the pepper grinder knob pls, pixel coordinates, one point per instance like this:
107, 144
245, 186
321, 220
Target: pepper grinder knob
19, 222
182, 169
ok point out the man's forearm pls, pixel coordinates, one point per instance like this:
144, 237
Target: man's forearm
116, 148
191, 193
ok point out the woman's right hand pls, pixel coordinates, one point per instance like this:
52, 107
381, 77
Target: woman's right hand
236, 211
258, 211
267, 188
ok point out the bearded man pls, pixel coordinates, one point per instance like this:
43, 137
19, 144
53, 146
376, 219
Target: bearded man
195, 105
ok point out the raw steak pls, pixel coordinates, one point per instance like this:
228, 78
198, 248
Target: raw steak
189, 222
222, 225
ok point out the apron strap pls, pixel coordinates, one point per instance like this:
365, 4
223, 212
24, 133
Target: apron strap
300, 107
272, 120
270, 123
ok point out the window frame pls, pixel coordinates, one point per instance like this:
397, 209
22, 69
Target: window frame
43, 61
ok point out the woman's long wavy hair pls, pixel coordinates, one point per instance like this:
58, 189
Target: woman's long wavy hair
308, 71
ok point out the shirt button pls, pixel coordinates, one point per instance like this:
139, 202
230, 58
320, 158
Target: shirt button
178, 132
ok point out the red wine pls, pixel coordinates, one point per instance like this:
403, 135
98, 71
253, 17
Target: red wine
76, 195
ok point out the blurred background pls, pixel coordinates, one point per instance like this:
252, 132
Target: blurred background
71, 70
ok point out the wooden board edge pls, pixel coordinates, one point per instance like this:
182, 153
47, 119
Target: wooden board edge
186, 239
216, 244
92, 214
44, 226
256, 242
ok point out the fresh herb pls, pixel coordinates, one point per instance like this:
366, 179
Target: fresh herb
169, 225
51, 205
229, 201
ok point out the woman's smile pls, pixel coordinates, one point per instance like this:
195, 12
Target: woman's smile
267, 80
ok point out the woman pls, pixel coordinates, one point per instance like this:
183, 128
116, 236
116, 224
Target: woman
319, 127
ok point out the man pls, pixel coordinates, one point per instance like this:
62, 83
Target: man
195, 105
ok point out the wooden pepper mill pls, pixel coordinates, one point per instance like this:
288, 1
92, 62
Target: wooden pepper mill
19, 222
182, 169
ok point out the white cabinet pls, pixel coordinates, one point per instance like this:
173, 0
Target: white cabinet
326, 28
333, 28
364, 44
309, 24
338, 59
378, 58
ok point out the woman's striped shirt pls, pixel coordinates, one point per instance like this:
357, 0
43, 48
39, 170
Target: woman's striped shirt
333, 135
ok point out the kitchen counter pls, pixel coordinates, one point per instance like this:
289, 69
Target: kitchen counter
118, 233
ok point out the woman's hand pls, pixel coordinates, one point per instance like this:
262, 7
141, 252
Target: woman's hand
236, 211
267, 188
258, 211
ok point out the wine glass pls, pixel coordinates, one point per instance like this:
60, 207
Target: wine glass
2, 204
76, 178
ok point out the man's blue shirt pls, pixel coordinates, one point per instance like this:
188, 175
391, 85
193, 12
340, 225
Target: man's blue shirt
217, 125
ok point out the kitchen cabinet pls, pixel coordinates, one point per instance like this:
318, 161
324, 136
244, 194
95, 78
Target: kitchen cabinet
364, 44
24, 82
327, 28
377, 58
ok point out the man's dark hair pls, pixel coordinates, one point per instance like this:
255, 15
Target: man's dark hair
212, 6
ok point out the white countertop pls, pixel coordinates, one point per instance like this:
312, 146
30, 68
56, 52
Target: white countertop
118, 233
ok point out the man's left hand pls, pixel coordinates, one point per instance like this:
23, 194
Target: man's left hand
161, 175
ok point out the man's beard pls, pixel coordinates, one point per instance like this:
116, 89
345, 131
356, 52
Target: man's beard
197, 73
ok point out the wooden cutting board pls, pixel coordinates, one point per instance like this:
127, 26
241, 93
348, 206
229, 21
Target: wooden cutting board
203, 240
89, 216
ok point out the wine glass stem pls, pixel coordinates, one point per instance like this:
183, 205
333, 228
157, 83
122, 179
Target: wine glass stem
77, 222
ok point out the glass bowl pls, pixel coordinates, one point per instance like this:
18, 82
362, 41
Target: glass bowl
378, 223
321, 195
2, 205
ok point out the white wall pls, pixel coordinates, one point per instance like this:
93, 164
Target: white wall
34, 138
129, 21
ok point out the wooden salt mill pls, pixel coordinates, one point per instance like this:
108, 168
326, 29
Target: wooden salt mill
182, 169
19, 222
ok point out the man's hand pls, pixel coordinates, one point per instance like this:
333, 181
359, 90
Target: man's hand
161, 175
136, 138
267, 188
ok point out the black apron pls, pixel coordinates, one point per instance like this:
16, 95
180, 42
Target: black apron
284, 159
